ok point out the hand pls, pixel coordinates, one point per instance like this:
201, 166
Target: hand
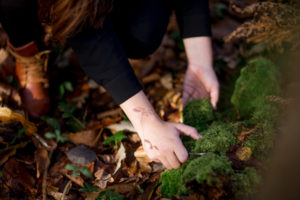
200, 82
162, 143
160, 139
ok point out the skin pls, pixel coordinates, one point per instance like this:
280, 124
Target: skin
160, 139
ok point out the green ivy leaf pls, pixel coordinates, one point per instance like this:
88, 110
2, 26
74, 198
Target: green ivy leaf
76, 173
109, 195
68, 86
85, 171
62, 139
117, 137
67, 115
61, 90
50, 135
51, 122
88, 188
71, 167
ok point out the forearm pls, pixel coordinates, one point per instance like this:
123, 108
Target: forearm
199, 51
139, 111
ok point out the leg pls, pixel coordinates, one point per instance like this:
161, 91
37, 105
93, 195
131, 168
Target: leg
20, 20
141, 25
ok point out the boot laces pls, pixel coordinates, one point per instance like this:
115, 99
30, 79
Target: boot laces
34, 67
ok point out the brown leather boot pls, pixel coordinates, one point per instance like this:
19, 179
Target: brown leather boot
31, 66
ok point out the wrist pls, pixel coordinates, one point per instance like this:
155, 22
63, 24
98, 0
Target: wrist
194, 66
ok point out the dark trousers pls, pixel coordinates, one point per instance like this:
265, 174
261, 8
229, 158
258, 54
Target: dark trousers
131, 20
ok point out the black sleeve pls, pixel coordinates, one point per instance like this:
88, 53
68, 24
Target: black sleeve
193, 17
102, 57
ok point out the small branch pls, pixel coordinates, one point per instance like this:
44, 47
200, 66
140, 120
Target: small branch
44, 189
66, 190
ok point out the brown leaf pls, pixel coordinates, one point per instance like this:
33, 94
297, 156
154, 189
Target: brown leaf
143, 160
5, 157
102, 176
78, 180
18, 177
87, 137
243, 153
123, 125
7, 115
166, 81
243, 135
41, 158
121, 155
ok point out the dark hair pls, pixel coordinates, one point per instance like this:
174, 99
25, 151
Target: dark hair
67, 17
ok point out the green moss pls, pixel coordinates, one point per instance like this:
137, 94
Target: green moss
217, 138
245, 183
261, 140
198, 113
171, 182
259, 79
205, 169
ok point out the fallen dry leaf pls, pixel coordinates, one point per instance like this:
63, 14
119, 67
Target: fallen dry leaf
17, 177
121, 155
243, 135
243, 153
87, 137
41, 158
143, 160
7, 115
121, 126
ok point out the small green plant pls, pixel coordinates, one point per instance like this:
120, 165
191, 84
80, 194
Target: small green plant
51, 122
115, 139
56, 134
19, 134
68, 110
87, 188
109, 195
65, 86
79, 170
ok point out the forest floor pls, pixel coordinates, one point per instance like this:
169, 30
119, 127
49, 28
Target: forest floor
86, 148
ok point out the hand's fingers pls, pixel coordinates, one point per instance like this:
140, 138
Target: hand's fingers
180, 152
214, 96
188, 130
173, 161
184, 98
165, 162
187, 93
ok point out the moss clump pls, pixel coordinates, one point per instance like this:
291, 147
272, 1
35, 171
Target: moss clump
259, 79
245, 183
205, 169
217, 138
171, 182
261, 141
198, 113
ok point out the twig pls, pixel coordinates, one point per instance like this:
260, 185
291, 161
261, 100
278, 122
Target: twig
79, 122
44, 189
42, 141
20, 145
66, 190
98, 136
